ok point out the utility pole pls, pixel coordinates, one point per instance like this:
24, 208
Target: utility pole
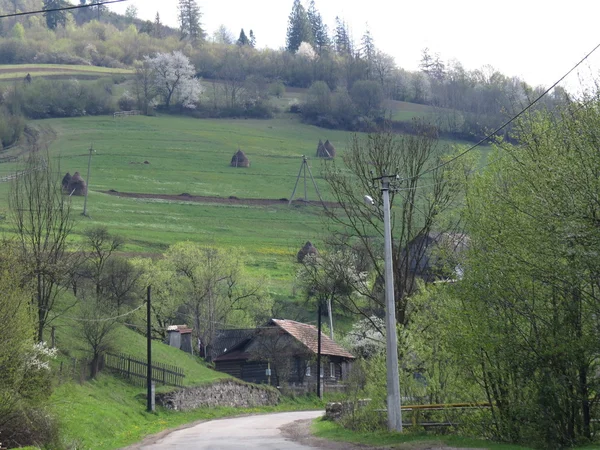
84, 213
394, 407
150, 387
319, 391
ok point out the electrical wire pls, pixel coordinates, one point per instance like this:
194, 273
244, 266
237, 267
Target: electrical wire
64, 8
508, 122
104, 319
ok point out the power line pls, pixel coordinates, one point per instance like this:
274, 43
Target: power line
511, 120
104, 319
64, 8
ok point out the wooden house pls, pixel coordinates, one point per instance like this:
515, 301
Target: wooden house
284, 353
180, 336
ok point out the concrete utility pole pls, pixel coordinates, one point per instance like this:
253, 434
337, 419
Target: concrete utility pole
394, 405
84, 213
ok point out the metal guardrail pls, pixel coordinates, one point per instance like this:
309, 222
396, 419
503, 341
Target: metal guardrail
436, 407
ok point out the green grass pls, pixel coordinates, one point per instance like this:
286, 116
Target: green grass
408, 441
107, 413
18, 71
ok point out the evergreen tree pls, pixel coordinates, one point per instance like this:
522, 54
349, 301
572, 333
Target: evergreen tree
243, 39
189, 21
298, 28
343, 43
157, 32
252, 39
318, 28
368, 51
54, 18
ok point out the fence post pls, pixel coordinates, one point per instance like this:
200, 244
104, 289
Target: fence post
164, 376
128, 368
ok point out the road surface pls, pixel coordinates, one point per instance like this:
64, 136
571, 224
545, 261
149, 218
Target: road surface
246, 433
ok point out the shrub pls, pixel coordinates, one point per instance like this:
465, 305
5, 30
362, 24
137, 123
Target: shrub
127, 102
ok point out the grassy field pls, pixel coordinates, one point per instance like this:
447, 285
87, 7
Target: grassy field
19, 71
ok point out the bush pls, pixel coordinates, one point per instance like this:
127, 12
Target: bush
127, 102
33, 426
51, 98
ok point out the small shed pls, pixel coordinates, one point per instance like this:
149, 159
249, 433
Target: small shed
180, 336
307, 249
240, 159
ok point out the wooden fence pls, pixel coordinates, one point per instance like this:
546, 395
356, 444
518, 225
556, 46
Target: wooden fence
135, 370
135, 112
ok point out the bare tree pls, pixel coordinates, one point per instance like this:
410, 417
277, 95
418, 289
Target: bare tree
424, 194
43, 221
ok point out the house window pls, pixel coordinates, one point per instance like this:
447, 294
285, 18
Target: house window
307, 371
332, 370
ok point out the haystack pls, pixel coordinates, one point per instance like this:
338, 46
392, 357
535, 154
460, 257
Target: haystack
66, 181
321, 152
240, 160
308, 249
330, 149
77, 185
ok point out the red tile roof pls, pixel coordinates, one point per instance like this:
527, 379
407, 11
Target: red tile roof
308, 335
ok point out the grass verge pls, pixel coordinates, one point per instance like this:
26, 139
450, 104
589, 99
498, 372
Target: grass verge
332, 431
108, 413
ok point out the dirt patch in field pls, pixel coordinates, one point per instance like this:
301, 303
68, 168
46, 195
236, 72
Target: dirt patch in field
221, 200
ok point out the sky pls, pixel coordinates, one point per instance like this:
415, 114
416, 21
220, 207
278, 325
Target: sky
536, 40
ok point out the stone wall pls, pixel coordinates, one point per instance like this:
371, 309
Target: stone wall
224, 393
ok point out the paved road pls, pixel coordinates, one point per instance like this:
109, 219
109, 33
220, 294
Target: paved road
246, 433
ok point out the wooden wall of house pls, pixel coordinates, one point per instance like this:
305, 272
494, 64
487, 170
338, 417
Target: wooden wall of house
233, 368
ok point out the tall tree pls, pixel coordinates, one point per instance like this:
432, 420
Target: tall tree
320, 37
243, 39
342, 39
223, 35
368, 52
422, 195
42, 221
189, 21
299, 30
252, 39
157, 30
54, 18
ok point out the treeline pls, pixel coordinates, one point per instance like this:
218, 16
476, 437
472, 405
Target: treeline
468, 103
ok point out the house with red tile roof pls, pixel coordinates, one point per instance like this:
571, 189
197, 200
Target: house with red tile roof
284, 353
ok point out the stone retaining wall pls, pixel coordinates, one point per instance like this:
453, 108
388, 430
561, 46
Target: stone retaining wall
224, 393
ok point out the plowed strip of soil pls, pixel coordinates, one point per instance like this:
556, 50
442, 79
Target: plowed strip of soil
221, 200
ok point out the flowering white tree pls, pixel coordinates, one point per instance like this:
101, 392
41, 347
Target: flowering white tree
174, 79
307, 51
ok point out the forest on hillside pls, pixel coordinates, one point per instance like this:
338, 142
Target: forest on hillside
348, 79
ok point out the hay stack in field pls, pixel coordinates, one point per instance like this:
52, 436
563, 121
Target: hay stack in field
65, 182
330, 149
321, 152
308, 249
240, 160
77, 185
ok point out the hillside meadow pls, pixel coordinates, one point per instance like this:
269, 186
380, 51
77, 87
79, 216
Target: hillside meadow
171, 155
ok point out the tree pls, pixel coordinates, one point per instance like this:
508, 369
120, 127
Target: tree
217, 292
298, 28
424, 195
158, 27
367, 95
528, 304
369, 52
243, 39
144, 86
131, 12
54, 18
174, 78
318, 28
42, 221
342, 39
252, 39
189, 21
223, 35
